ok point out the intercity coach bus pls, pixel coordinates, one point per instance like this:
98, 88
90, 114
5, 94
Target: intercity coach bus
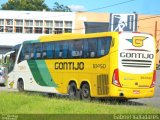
97, 65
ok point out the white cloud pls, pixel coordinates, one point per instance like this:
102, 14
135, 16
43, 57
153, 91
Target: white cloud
77, 8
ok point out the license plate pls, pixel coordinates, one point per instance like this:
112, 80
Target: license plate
136, 92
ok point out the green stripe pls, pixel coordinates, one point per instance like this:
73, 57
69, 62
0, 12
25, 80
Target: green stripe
40, 73
46, 76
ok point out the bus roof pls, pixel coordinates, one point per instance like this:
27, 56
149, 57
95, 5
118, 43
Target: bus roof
69, 36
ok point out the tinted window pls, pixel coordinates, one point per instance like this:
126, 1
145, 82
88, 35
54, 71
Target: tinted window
76, 49
104, 46
48, 50
92, 48
61, 49
85, 48
37, 51
26, 51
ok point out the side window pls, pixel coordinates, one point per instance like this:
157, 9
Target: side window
65, 49
85, 49
21, 56
32, 51
47, 50
44, 50
92, 48
58, 50
104, 46
61, 49
27, 51
37, 51
76, 49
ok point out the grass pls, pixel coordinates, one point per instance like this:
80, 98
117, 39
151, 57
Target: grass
27, 103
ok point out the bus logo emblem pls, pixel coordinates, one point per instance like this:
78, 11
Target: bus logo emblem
137, 41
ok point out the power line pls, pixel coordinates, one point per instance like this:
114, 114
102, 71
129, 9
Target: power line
116, 4
110, 5
123, 22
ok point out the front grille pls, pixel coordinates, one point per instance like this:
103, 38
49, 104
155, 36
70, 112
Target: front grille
102, 82
136, 63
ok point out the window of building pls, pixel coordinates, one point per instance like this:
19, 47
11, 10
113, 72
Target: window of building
1, 21
68, 30
38, 30
28, 30
9, 21
39, 23
19, 29
49, 23
48, 31
9, 29
68, 23
1, 29
29, 22
19, 22
58, 30
58, 23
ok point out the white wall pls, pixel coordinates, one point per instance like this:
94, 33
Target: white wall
10, 39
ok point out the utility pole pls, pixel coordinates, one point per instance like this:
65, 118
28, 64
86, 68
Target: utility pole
155, 32
155, 35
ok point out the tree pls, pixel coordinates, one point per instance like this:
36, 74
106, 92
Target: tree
30, 5
61, 8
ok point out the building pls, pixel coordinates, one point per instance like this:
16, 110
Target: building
33, 22
17, 26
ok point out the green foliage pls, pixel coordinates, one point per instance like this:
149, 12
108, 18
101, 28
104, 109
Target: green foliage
29, 103
34, 5
61, 8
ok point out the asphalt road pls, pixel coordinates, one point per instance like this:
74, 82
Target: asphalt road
154, 101
4, 88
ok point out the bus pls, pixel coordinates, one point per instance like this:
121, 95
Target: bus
85, 66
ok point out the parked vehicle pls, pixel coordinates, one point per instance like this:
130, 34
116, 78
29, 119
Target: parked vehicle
2, 79
3, 74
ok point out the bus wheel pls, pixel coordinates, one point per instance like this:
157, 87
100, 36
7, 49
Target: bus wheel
72, 91
20, 85
85, 92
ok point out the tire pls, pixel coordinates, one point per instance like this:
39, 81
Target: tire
72, 91
122, 100
20, 86
50, 95
85, 92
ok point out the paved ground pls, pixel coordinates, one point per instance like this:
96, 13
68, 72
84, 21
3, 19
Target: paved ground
155, 101
4, 88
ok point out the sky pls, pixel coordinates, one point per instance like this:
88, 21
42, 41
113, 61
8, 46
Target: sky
109, 6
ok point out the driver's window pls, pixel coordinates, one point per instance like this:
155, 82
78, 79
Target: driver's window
12, 61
